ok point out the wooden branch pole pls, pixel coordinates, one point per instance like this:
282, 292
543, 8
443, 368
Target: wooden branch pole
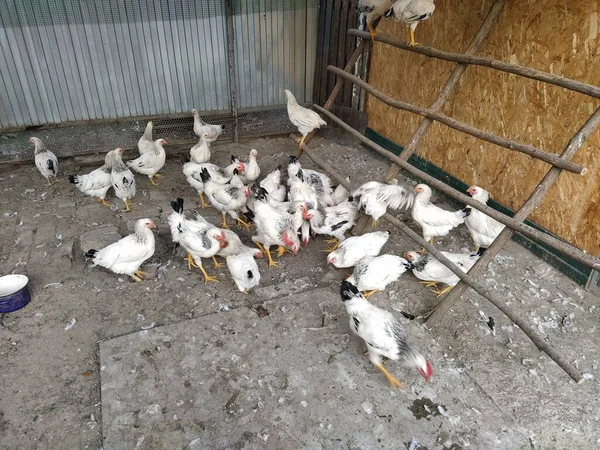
451, 84
518, 225
535, 337
534, 200
534, 152
534, 74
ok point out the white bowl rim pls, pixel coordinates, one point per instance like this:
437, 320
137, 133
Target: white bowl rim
11, 284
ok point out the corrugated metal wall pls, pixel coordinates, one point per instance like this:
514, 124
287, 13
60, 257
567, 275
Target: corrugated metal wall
69, 60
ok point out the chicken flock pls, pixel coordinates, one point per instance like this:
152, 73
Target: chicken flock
284, 216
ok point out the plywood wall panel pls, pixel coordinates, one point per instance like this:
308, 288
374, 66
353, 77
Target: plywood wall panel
551, 35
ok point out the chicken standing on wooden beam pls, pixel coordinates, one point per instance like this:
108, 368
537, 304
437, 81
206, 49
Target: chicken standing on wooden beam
383, 334
411, 12
306, 120
372, 9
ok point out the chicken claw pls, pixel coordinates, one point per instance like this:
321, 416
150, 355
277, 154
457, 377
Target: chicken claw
135, 277
241, 224
207, 277
335, 243
127, 205
393, 381
141, 274
104, 202
428, 283
367, 294
190, 261
216, 263
151, 178
281, 250
443, 291
374, 224
204, 204
271, 262
224, 224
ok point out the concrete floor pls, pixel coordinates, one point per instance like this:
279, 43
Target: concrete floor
295, 378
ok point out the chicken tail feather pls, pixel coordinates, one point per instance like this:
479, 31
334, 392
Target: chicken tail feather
348, 291
73, 179
91, 253
177, 205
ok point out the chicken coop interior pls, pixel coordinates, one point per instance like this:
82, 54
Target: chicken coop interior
212, 209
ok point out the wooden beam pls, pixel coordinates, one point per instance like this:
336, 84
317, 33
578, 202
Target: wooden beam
534, 200
529, 150
518, 225
534, 74
536, 338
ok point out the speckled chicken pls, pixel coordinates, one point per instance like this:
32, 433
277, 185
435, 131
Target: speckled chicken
317, 181
382, 333
199, 238
374, 273
434, 220
97, 182
482, 227
306, 120
273, 226
372, 9
355, 248
374, 198
150, 162
122, 179
227, 198
333, 221
432, 272
223, 176
45, 161
411, 12
128, 254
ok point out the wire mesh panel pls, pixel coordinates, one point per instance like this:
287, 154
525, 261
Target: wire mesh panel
66, 60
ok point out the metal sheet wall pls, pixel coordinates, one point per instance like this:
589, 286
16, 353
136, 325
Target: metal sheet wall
67, 60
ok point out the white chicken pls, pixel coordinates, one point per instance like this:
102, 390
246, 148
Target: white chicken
235, 246
199, 238
306, 120
482, 227
145, 143
434, 220
244, 271
97, 182
227, 198
411, 12
431, 272
45, 161
383, 334
355, 248
375, 198
200, 153
274, 227
273, 186
201, 127
251, 170
128, 254
192, 173
372, 9
122, 179
333, 221
374, 273
340, 193
318, 182
150, 162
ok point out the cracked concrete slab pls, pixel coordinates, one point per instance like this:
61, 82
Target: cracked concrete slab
290, 376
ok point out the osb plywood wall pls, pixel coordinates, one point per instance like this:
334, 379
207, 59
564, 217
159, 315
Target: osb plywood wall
556, 36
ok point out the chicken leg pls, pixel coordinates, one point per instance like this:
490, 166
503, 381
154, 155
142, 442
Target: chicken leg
271, 262
393, 381
411, 37
190, 261
204, 204
428, 283
335, 243
207, 277
443, 291
372, 31
300, 142
241, 223
261, 248
135, 277
367, 294
141, 274
151, 178
127, 206
374, 224
224, 224
217, 263
103, 202
281, 250
422, 251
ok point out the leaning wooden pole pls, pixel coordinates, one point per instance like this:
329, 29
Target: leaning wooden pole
532, 334
526, 149
519, 226
451, 84
534, 200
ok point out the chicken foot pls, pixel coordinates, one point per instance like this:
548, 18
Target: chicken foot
127, 205
372, 32
204, 204
393, 381
443, 291
334, 244
207, 277
261, 248
367, 294
224, 224
216, 263
281, 250
136, 277
300, 142
151, 178
241, 224
271, 262
190, 261
411, 37
422, 251
429, 283
375, 224
104, 202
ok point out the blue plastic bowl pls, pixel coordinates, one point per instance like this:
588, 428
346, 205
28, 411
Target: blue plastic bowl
14, 293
